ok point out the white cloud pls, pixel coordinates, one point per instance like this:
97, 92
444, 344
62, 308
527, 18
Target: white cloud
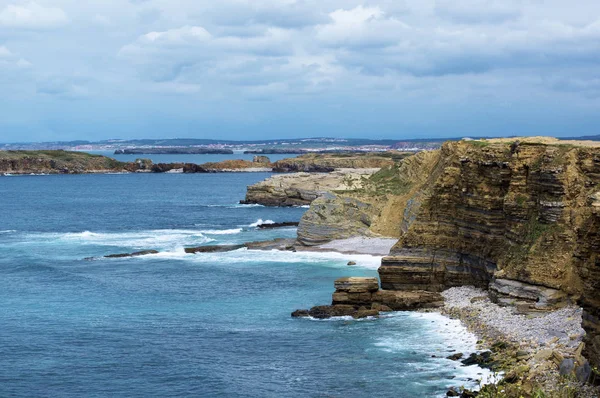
5, 52
31, 15
9, 59
185, 34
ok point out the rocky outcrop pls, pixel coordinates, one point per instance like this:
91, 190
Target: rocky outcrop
135, 254
361, 297
346, 217
302, 188
274, 225
261, 159
57, 162
274, 244
238, 165
177, 167
328, 162
526, 296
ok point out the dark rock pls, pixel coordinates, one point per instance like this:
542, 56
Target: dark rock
300, 314
455, 357
135, 254
278, 225
583, 373
275, 244
566, 366
483, 360
328, 311
452, 393
351, 263
213, 248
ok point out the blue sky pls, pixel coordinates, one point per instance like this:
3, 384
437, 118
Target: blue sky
97, 69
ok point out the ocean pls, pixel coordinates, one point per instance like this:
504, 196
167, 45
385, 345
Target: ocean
73, 323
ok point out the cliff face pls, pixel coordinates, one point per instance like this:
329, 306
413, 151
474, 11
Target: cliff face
521, 219
369, 206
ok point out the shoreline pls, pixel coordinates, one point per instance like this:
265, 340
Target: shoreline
529, 351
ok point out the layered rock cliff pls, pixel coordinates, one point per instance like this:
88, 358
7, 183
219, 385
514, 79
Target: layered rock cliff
301, 189
519, 218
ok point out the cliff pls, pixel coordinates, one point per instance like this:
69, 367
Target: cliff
300, 189
520, 219
57, 162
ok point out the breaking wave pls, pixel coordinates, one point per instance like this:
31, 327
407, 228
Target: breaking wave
260, 221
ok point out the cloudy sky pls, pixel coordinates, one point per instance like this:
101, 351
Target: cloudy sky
95, 69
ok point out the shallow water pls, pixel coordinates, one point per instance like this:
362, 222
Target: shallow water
176, 324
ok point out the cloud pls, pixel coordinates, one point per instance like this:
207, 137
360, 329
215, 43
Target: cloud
11, 60
373, 59
31, 15
478, 11
5, 52
63, 87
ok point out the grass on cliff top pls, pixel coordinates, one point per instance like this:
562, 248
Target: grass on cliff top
394, 155
49, 154
64, 158
388, 181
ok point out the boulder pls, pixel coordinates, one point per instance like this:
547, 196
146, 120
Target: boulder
455, 357
328, 311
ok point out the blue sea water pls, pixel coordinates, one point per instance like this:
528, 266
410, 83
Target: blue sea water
176, 324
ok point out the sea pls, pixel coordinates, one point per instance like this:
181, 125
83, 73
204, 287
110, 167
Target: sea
76, 324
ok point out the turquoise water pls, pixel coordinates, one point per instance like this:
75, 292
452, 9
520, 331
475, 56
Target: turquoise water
176, 324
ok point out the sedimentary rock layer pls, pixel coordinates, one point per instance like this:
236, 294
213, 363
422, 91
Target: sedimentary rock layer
302, 188
520, 215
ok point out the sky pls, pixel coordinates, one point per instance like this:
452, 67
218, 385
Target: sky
261, 69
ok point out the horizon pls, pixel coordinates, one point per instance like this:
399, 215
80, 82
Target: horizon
272, 69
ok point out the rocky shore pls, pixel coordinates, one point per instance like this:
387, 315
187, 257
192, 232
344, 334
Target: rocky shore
517, 219
534, 352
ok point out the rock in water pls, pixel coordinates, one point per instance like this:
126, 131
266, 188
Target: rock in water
213, 248
135, 254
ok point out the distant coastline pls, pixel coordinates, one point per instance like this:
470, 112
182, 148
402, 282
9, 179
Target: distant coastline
173, 151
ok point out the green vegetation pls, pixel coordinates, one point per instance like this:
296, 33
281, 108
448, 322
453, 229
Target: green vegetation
388, 181
478, 143
66, 156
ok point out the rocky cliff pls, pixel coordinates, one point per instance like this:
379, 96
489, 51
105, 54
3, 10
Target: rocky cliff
521, 218
518, 218
299, 189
